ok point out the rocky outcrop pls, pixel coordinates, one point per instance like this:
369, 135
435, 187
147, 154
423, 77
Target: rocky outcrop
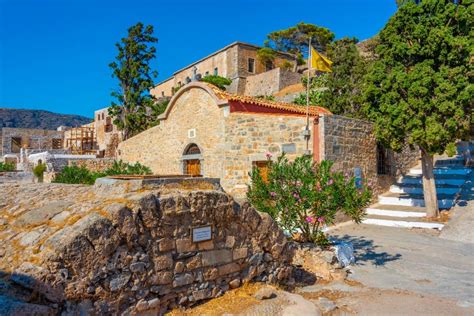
132, 252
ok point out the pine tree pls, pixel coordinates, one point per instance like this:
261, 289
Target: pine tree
132, 68
420, 89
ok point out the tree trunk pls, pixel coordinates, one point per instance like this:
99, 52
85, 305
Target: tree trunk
429, 186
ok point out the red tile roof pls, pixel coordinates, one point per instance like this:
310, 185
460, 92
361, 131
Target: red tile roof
287, 107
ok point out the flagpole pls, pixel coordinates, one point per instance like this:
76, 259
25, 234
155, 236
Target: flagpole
307, 135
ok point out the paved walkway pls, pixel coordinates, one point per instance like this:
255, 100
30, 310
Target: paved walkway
413, 260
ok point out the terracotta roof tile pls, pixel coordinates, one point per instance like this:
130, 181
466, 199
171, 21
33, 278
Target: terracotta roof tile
294, 108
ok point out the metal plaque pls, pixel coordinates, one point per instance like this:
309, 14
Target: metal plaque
202, 233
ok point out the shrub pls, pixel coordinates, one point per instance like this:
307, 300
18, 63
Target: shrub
82, 175
76, 175
7, 166
39, 170
120, 167
218, 81
302, 196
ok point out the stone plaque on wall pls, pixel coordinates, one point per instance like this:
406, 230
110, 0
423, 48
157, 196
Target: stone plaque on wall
289, 148
202, 233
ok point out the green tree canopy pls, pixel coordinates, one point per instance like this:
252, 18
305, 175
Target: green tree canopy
344, 83
132, 68
295, 39
420, 88
218, 81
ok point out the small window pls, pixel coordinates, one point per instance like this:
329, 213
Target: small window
263, 168
57, 143
16, 144
207, 73
188, 80
216, 71
251, 65
269, 65
108, 125
162, 93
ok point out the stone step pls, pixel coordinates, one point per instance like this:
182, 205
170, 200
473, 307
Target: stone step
439, 179
401, 222
451, 170
396, 210
445, 201
417, 188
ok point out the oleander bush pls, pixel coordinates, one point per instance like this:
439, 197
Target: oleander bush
303, 196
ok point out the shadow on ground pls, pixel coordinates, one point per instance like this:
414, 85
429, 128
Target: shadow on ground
366, 252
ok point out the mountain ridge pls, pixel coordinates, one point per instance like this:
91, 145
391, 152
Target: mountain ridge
39, 119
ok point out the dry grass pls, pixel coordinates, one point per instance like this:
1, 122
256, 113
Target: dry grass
232, 302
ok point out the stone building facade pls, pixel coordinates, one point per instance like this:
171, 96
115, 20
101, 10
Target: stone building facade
107, 134
350, 144
237, 62
12, 140
219, 135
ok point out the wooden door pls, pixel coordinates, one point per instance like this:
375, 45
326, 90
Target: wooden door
193, 167
263, 169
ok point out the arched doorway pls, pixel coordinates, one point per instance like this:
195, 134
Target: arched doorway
192, 160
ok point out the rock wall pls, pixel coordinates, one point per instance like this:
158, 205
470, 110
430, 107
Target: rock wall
132, 252
270, 82
351, 143
96, 165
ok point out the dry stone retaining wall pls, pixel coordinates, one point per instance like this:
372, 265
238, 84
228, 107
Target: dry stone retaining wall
133, 252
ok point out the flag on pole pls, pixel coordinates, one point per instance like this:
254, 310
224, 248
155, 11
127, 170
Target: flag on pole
320, 62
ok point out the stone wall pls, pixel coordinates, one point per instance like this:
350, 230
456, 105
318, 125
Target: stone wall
96, 165
351, 143
270, 82
33, 139
132, 252
249, 137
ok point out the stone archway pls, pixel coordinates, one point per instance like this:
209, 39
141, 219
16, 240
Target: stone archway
192, 160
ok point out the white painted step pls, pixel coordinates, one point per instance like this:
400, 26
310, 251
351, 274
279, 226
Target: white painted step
418, 189
444, 201
404, 224
443, 171
395, 211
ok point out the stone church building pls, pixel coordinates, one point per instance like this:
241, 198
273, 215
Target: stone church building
208, 132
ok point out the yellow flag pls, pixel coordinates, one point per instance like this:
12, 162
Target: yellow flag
320, 62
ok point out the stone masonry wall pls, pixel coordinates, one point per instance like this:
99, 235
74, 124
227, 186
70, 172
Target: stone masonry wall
96, 165
132, 253
270, 82
33, 139
351, 143
249, 137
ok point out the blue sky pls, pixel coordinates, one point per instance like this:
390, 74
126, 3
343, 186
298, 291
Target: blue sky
54, 54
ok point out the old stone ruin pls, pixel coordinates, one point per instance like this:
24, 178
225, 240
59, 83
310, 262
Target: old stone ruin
126, 247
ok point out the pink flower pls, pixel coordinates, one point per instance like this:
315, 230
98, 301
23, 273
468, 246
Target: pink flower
318, 187
296, 196
273, 194
310, 219
369, 184
269, 155
346, 174
331, 181
321, 219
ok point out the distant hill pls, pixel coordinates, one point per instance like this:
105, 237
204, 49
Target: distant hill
39, 119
